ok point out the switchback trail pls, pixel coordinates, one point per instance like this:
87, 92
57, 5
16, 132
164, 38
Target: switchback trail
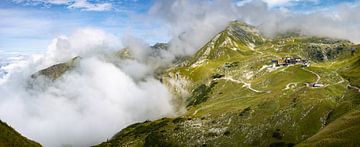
317, 75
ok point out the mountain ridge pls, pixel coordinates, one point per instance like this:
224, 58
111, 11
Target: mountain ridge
234, 98
234, 94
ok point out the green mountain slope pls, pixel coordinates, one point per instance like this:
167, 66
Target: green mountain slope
351, 72
344, 131
235, 97
236, 40
10, 138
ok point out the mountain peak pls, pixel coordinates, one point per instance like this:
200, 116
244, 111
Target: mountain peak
238, 39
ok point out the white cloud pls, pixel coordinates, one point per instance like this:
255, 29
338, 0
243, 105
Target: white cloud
87, 6
78, 4
55, 2
83, 42
192, 23
278, 3
88, 104
342, 21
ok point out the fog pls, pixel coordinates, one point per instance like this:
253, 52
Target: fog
341, 21
88, 104
192, 24
102, 95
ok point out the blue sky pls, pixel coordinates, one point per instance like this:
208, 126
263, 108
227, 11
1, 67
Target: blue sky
30, 25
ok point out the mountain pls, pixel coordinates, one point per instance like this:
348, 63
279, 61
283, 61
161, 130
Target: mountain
56, 71
10, 138
344, 131
237, 39
242, 89
236, 95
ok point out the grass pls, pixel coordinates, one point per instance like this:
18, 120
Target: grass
229, 114
344, 131
235, 101
10, 138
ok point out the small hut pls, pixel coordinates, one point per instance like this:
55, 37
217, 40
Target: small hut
353, 50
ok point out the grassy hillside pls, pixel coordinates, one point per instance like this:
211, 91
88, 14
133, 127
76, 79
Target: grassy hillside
351, 70
10, 138
234, 97
344, 131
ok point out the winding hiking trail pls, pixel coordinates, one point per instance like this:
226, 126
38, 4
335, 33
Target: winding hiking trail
354, 87
288, 86
252, 47
196, 111
247, 85
317, 75
342, 79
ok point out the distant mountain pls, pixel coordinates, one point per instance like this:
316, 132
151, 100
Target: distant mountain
163, 46
56, 71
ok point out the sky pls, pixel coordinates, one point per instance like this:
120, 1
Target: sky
30, 25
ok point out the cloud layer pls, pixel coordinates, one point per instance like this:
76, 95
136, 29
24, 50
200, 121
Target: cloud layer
342, 21
275, 3
87, 105
192, 24
79, 4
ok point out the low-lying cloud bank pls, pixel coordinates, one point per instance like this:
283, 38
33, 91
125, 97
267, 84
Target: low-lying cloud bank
88, 104
102, 95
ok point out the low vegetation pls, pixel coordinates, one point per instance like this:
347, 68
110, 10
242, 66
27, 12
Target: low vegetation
234, 96
10, 138
237, 98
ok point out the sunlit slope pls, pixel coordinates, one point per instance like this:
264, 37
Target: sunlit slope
351, 71
234, 99
344, 131
237, 40
10, 138
56, 71
316, 49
